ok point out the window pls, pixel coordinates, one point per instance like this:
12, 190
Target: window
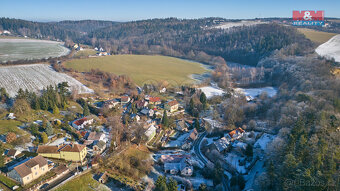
28, 177
43, 169
36, 173
35, 168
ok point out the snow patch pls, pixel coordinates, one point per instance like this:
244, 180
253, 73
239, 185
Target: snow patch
210, 91
330, 49
264, 140
229, 25
254, 92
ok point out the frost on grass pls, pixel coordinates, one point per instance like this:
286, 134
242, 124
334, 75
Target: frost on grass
330, 49
35, 77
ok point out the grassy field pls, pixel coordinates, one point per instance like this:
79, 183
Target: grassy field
142, 68
318, 37
10, 126
8, 182
83, 182
85, 53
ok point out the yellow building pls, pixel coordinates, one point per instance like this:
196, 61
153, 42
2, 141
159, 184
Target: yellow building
68, 152
171, 106
29, 170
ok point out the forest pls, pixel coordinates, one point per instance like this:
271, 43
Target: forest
195, 39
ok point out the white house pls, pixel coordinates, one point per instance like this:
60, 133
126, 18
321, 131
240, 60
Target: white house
151, 132
81, 123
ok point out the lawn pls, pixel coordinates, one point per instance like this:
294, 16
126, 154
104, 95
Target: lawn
83, 183
8, 182
142, 68
318, 37
10, 126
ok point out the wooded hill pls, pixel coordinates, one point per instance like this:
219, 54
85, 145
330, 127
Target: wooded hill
187, 38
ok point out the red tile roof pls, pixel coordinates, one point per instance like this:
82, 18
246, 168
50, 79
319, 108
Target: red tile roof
154, 99
173, 102
80, 121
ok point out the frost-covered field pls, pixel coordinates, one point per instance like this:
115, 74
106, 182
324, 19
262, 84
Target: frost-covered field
330, 49
22, 49
253, 92
238, 24
35, 77
210, 91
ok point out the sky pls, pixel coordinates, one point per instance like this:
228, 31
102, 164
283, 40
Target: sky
127, 10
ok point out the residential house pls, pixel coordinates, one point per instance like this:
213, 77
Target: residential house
68, 152
163, 90
11, 116
141, 104
103, 178
98, 147
12, 153
96, 136
81, 123
60, 170
29, 170
193, 134
222, 144
155, 100
175, 164
181, 125
171, 106
135, 117
111, 103
236, 134
150, 132
147, 112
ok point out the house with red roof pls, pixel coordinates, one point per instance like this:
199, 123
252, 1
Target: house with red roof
236, 134
155, 100
81, 123
171, 106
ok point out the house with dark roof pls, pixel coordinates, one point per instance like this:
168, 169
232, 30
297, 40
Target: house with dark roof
98, 147
68, 152
222, 144
193, 134
175, 164
182, 125
29, 170
12, 153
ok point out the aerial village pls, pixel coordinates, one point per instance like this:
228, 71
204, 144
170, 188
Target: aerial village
178, 130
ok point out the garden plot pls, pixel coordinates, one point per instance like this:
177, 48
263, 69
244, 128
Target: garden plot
35, 77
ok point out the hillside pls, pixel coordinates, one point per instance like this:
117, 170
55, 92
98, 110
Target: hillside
330, 49
142, 68
35, 77
187, 38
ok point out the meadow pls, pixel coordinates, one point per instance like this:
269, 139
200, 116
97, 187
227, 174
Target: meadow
318, 37
142, 68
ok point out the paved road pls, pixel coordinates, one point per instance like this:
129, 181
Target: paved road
198, 153
197, 144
